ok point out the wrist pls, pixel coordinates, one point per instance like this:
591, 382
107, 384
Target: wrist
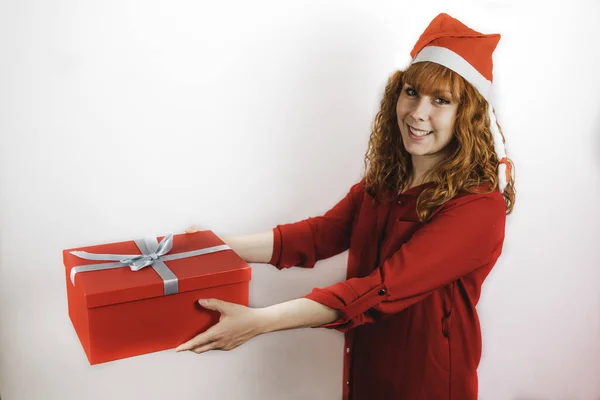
265, 320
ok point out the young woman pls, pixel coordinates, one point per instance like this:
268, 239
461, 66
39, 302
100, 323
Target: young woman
424, 227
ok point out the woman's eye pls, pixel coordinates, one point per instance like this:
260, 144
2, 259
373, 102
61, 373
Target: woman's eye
410, 92
441, 100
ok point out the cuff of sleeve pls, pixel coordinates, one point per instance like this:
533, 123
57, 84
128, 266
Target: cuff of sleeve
295, 246
330, 301
352, 308
276, 247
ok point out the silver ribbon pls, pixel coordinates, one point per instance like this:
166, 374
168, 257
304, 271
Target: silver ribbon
153, 254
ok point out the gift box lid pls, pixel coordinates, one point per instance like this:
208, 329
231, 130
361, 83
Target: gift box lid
119, 285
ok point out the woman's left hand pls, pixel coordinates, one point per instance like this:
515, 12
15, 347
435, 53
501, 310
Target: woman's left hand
237, 325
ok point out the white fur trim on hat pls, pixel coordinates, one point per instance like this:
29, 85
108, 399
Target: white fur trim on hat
453, 61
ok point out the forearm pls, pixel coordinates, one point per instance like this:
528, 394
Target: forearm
254, 248
298, 313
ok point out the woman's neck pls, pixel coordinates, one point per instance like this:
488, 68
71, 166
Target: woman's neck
420, 166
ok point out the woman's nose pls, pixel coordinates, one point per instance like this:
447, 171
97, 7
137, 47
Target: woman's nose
421, 110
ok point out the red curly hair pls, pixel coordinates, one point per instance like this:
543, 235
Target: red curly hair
472, 162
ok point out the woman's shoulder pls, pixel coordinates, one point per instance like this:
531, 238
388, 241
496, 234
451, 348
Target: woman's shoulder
358, 191
480, 192
477, 200
362, 192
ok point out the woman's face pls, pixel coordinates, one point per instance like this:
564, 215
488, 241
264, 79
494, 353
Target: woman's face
426, 121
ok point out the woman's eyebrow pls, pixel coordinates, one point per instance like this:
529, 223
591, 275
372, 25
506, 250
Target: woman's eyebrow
443, 93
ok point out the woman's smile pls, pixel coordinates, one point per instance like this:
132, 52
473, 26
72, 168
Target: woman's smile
417, 134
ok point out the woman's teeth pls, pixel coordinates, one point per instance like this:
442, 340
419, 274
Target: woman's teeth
417, 132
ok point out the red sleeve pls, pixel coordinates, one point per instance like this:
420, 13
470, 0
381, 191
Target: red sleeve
305, 242
465, 235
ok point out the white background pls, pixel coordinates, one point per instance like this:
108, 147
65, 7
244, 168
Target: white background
120, 119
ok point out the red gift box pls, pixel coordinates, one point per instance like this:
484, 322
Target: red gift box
119, 313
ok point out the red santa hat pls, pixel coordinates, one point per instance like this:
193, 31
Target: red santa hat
450, 43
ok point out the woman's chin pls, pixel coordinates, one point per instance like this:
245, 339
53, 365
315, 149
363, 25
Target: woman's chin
416, 152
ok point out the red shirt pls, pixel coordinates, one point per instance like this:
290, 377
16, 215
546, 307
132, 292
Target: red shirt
408, 305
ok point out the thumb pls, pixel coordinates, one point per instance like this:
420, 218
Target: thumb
213, 304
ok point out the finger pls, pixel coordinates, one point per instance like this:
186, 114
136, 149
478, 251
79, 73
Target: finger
193, 229
205, 348
200, 340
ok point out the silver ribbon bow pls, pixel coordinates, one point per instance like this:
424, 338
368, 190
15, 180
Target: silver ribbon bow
153, 254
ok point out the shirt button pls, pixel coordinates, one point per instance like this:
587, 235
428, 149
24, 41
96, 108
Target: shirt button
347, 349
347, 383
381, 292
399, 202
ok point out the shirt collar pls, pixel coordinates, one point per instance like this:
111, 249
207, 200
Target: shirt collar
416, 191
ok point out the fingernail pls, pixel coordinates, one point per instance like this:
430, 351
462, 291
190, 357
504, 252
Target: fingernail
202, 302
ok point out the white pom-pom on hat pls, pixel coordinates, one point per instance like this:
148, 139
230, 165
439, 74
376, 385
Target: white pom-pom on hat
402, 61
